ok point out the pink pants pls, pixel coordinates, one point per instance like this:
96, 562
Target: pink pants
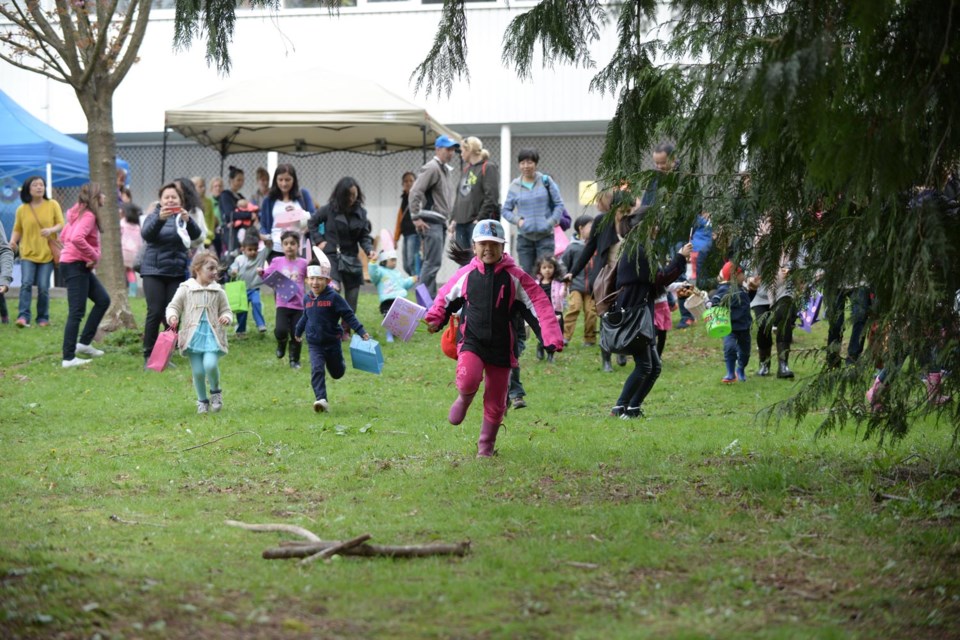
470, 372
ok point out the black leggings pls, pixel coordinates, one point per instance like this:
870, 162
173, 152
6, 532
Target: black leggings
287, 320
158, 291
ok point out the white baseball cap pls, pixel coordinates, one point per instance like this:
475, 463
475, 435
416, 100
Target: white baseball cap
489, 230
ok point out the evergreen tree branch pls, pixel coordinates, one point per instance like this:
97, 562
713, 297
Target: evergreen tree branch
565, 29
447, 58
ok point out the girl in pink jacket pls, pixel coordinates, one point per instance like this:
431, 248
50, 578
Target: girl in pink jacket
489, 291
79, 258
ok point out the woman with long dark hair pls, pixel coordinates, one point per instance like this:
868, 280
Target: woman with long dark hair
81, 254
38, 220
287, 207
341, 228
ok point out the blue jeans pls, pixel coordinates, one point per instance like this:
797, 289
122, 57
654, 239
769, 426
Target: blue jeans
529, 250
253, 302
859, 307
82, 284
411, 254
327, 355
464, 234
35, 273
736, 349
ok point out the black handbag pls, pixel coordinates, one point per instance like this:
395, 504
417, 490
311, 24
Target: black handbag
623, 331
349, 267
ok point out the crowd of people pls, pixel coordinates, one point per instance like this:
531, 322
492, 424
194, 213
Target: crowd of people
188, 244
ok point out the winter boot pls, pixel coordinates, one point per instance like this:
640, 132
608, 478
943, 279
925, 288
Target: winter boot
621, 360
458, 410
764, 369
934, 384
295, 348
730, 377
540, 353
873, 395
605, 359
488, 438
281, 349
783, 357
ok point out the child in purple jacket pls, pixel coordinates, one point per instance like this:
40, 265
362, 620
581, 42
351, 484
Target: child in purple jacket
289, 305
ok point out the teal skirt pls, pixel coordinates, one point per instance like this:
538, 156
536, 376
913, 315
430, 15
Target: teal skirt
204, 340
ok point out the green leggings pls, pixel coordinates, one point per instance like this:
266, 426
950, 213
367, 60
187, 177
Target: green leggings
205, 366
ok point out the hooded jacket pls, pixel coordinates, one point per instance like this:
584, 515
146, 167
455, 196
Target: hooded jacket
490, 296
321, 318
189, 303
80, 236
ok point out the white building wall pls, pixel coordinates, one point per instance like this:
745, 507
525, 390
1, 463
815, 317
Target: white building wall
382, 44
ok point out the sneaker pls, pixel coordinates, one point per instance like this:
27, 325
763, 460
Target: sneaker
22, 323
540, 352
216, 401
281, 350
294, 365
519, 402
618, 411
76, 362
550, 358
5, 320
203, 406
621, 360
633, 412
683, 324
43, 323
262, 329
88, 350
589, 344
321, 406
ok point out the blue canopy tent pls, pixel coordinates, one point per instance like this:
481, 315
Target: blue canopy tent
28, 147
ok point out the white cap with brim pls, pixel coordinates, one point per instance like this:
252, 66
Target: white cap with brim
388, 254
489, 231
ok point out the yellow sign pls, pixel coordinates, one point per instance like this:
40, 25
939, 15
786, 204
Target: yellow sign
588, 192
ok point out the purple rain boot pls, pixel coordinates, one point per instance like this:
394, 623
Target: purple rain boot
488, 437
458, 410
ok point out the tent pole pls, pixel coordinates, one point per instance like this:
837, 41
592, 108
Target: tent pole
163, 163
423, 130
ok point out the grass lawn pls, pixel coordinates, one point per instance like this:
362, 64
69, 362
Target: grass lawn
697, 521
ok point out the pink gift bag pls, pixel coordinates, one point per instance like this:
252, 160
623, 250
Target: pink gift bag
402, 318
560, 241
162, 350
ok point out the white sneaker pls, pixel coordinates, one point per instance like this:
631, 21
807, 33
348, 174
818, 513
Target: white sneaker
76, 362
216, 401
203, 406
321, 406
88, 350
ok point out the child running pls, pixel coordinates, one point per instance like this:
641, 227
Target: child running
581, 287
323, 310
247, 267
548, 276
736, 344
391, 284
289, 307
488, 289
202, 304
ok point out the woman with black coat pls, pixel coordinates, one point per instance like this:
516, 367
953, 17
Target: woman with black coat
167, 232
341, 228
637, 284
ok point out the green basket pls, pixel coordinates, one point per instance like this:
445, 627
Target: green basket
718, 322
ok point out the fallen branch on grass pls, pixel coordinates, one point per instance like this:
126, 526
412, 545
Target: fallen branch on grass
197, 446
314, 546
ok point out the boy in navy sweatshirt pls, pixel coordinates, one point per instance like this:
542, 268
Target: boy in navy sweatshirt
322, 312
736, 345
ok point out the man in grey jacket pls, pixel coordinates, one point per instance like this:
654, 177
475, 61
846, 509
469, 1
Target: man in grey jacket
431, 203
6, 274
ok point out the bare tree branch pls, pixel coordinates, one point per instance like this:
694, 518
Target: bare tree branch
130, 55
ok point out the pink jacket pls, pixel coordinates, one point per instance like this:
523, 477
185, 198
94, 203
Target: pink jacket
487, 295
80, 236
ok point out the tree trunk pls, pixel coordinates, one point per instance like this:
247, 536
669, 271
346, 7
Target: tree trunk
97, 102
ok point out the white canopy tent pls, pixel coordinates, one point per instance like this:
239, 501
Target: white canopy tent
326, 112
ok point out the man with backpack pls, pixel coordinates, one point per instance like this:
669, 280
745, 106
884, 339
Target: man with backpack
431, 204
